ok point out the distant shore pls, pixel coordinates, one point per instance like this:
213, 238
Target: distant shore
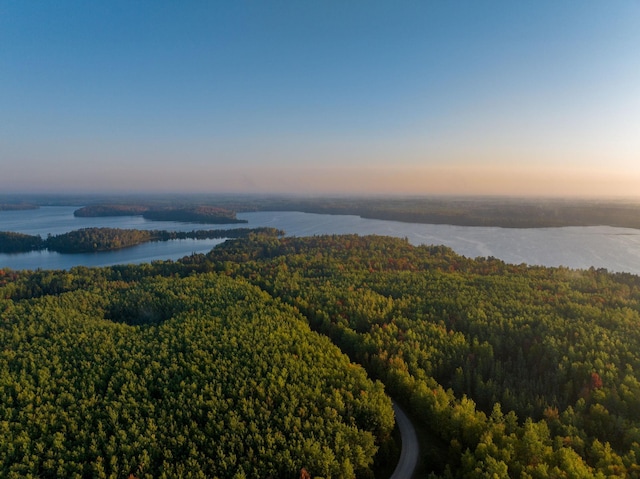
459, 211
487, 212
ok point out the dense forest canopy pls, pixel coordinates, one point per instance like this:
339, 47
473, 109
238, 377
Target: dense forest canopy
205, 376
513, 371
521, 371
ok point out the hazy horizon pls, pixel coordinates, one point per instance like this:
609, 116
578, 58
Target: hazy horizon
419, 98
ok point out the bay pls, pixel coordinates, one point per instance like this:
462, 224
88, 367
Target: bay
616, 249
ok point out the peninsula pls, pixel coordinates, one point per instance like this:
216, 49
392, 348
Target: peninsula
95, 240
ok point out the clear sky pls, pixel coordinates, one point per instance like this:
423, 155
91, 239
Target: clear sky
400, 97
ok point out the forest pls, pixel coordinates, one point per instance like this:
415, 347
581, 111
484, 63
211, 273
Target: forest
271, 354
202, 376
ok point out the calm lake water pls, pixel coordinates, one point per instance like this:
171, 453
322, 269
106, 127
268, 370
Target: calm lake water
617, 249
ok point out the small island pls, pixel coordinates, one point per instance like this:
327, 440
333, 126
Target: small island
194, 214
96, 240
109, 210
187, 214
11, 242
18, 206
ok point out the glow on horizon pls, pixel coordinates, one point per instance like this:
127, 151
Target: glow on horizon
439, 180
422, 98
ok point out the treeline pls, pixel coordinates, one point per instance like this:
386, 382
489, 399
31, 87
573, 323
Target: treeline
204, 376
91, 240
190, 213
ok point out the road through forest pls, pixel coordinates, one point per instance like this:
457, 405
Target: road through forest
410, 448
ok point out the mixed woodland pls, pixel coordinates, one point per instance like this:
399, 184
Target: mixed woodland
271, 354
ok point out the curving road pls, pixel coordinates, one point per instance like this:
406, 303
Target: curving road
410, 448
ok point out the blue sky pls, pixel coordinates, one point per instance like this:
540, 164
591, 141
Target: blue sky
429, 97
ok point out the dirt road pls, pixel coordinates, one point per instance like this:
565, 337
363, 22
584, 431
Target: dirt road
410, 447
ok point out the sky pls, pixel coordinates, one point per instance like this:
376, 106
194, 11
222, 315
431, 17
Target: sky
431, 97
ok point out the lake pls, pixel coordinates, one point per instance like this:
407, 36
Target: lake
617, 249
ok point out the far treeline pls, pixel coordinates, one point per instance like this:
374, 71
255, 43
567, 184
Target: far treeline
482, 211
220, 365
93, 240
